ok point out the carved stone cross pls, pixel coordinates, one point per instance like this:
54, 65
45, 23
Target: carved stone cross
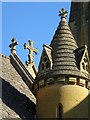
13, 45
31, 50
63, 13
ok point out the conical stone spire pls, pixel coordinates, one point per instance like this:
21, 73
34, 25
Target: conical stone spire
63, 45
63, 53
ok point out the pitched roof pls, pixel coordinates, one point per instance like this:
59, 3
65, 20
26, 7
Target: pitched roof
17, 99
20, 67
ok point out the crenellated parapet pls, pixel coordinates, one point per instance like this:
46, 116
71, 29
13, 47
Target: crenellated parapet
62, 81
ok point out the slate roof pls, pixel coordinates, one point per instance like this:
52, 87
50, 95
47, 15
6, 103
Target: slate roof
21, 69
17, 99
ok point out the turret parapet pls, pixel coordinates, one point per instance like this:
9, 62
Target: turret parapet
62, 81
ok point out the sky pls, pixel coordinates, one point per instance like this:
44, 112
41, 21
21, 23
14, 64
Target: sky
25, 21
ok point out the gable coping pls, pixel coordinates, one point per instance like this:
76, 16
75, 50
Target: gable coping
24, 73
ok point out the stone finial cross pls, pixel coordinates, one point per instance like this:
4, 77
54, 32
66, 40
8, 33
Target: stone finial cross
31, 50
13, 45
63, 13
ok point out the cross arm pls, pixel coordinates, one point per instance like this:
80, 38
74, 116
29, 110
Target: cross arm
26, 46
14, 44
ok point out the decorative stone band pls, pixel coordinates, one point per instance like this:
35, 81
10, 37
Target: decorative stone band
62, 81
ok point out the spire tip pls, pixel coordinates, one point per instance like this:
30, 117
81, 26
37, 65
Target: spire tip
63, 13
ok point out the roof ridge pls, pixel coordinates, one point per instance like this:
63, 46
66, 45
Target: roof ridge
81, 48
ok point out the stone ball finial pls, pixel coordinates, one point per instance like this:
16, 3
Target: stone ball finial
63, 13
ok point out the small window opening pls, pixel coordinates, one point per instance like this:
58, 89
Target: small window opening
86, 55
87, 67
45, 59
85, 60
42, 66
60, 111
86, 84
44, 53
78, 81
83, 65
47, 65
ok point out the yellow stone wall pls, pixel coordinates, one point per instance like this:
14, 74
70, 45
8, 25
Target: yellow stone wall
73, 98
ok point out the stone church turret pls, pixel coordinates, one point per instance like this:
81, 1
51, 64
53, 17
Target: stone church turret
63, 78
